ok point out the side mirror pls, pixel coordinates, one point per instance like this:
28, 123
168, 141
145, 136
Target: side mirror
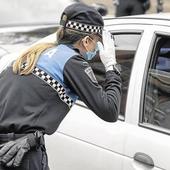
101, 8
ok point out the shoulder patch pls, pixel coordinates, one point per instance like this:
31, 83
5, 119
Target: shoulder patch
90, 74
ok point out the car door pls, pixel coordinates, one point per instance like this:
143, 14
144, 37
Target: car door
148, 141
84, 141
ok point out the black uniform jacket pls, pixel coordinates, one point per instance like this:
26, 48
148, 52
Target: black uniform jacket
40, 100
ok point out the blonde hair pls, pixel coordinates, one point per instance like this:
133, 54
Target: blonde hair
30, 57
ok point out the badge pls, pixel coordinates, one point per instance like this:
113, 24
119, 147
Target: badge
90, 74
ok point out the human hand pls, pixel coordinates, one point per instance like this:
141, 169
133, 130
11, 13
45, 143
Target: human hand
12, 152
107, 51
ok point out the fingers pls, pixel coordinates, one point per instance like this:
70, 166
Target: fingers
10, 154
107, 39
10, 163
2, 145
5, 147
100, 46
19, 157
16, 161
13, 154
110, 40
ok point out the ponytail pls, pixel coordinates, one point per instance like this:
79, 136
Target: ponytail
31, 56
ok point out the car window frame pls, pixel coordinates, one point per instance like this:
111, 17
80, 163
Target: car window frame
127, 31
150, 56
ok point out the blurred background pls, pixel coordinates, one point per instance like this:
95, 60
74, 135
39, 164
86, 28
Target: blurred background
25, 22
43, 11
111, 8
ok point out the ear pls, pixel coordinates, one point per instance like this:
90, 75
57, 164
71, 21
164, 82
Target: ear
85, 41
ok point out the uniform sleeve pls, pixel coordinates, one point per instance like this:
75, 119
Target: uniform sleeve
104, 102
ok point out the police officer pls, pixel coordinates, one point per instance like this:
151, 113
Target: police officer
41, 86
131, 7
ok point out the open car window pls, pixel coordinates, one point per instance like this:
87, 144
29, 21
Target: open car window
126, 46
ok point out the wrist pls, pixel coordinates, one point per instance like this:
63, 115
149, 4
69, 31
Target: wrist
115, 67
32, 140
109, 68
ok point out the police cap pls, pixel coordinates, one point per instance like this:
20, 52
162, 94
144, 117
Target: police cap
83, 18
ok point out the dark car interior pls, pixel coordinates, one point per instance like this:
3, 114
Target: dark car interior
157, 99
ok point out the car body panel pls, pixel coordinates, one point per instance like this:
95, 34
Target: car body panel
154, 144
86, 144
84, 156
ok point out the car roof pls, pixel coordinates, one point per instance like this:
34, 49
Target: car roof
164, 16
148, 19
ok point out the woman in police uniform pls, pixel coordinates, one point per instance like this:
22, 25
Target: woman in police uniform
42, 85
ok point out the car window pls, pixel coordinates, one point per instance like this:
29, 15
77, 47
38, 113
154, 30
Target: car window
156, 110
126, 45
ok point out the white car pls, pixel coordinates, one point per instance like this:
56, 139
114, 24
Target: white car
140, 139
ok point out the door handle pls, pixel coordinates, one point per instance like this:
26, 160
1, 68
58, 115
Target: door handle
144, 159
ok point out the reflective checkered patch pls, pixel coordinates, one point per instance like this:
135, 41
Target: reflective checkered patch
84, 27
54, 84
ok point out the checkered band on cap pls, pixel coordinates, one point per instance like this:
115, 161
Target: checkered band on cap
84, 27
54, 84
